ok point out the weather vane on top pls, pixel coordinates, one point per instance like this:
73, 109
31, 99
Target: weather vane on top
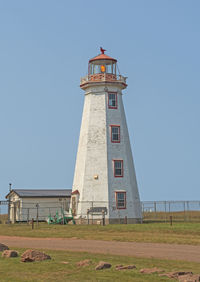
102, 50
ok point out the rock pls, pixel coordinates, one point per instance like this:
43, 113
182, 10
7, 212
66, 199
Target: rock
151, 270
32, 255
65, 262
3, 247
103, 265
189, 278
121, 267
176, 274
10, 254
85, 262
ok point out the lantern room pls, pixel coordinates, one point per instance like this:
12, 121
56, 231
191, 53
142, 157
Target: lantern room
101, 69
102, 64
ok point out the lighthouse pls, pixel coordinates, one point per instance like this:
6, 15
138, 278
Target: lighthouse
104, 178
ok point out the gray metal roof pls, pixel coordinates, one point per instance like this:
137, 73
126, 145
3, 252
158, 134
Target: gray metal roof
42, 192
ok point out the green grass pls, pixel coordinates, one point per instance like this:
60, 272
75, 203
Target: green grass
179, 233
190, 216
54, 270
3, 218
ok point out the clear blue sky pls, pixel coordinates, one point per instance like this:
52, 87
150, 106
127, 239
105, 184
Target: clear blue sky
44, 50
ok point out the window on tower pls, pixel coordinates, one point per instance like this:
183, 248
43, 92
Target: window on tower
112, 100
120, 200
115, 133
118, 168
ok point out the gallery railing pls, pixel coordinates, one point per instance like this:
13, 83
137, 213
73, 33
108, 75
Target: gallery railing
103, 77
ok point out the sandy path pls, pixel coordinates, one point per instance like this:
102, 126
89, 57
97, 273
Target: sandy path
147, 250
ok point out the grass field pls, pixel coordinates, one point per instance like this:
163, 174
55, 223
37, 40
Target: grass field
3, 218
180, 216
55, 270
179, 233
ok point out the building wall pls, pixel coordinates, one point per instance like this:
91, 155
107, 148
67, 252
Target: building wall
27, 208
15, 203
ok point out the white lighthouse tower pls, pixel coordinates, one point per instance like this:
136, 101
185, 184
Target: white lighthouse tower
104, 177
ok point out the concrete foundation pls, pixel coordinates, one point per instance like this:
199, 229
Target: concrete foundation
109, 221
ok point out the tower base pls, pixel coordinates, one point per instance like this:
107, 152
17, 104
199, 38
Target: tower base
124, 221
85, 221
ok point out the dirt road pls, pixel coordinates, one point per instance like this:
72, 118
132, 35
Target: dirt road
147, 250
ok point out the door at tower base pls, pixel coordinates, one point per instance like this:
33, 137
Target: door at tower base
104, 186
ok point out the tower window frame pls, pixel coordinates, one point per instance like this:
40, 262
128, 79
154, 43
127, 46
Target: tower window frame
118, 168
112, 100
120, 198
115, 136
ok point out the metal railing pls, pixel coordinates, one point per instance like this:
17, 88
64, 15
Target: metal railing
152, 211
103, 77
161, 211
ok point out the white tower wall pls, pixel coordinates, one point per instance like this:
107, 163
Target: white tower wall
92, 154
122, 151
95, 185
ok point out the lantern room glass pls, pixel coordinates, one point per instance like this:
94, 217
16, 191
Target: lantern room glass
102, 67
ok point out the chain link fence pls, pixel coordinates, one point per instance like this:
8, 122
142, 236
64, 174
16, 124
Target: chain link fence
93, 211
161, 211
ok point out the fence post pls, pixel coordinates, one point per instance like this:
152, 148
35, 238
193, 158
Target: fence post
9, 203
92, 212
170, 220
37, 206
184, 211
19, 212
62, 213
27, 215
9, 210
32, 223
155, 207
142, 209
125, 220
188, 210
103, 217
88, 220
155, 210
165, 212
119, 216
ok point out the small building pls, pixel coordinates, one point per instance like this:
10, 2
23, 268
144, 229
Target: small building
25, 204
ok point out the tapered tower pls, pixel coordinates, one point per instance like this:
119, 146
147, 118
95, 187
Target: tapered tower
104, 177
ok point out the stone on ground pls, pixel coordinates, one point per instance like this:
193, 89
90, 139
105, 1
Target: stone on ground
3, 247
10, 254
85, 262
151, 270
123, 267
102, 265
189, 278
176, 274
32, 255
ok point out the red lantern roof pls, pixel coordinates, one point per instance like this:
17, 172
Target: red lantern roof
102, 56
